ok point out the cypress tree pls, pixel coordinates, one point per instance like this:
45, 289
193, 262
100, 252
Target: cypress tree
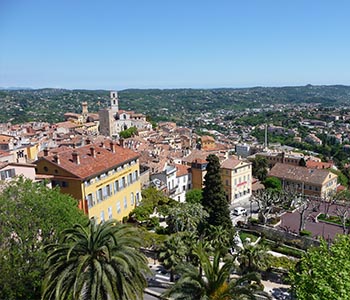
214, 199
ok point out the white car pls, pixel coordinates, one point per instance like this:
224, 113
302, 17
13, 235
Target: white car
240, 211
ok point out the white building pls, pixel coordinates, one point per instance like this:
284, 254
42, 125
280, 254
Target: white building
113, 121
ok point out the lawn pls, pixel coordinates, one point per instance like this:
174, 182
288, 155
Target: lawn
243, 235
332, 219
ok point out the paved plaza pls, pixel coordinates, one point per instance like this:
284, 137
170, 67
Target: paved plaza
290, 222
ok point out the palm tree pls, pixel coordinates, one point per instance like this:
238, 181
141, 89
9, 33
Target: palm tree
216, 284
95, 262
172, 253
252, 258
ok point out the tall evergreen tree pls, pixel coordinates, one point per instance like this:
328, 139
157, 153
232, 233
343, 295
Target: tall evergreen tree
214, 198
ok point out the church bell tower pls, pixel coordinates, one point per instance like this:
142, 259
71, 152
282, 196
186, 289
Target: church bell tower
114, 102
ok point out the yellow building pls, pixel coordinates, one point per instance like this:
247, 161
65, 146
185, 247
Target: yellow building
104, 180
236, 177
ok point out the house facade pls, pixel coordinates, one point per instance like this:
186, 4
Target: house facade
314, 182
236, 177
105, 180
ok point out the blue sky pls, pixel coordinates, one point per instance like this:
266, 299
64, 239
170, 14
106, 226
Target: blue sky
105, 44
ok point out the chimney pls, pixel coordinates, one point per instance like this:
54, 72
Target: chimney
112, 147
46, 152
75, 157
56, 158
93, 152
121, 142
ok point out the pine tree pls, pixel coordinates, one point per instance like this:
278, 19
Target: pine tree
214, 198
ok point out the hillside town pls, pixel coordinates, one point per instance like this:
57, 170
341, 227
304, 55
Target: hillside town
169, 157
106, 159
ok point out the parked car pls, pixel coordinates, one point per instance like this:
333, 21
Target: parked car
240, 211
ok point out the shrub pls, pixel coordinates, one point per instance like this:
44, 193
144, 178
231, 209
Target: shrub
305, 233
274, 220
253, 221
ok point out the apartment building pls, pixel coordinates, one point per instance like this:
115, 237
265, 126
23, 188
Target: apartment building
105, 179
236, 176
313, 182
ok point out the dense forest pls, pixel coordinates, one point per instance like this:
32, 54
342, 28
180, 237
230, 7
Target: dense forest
49, 105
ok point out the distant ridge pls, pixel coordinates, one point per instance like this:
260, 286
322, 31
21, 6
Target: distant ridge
19, 105
14, 88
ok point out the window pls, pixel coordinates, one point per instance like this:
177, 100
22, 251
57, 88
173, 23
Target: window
104, 192
110, 212
116, 186
132, 199
99, 195
90, 200
118, 207
64, 184
125, 202
109, 190
102, 216
124, 182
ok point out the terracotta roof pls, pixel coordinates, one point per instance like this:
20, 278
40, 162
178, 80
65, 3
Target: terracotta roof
182, 170
318, 165
196, 155
4, 138
209, 138
230, 163
67, 125
300, 174
104, 160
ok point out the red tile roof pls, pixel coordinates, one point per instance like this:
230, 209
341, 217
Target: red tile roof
230, 163
318, 165
301, 174
182, 170
104, 159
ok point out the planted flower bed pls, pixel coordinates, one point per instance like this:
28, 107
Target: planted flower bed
331, 219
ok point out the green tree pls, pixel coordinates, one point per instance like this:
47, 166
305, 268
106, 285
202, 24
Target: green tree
220, 238
259, 168
214, 198
215, 283
96, 262
252, 258
273, 183
172, 253
185, 217
194, 196
128, 132
324, 272
31, 216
